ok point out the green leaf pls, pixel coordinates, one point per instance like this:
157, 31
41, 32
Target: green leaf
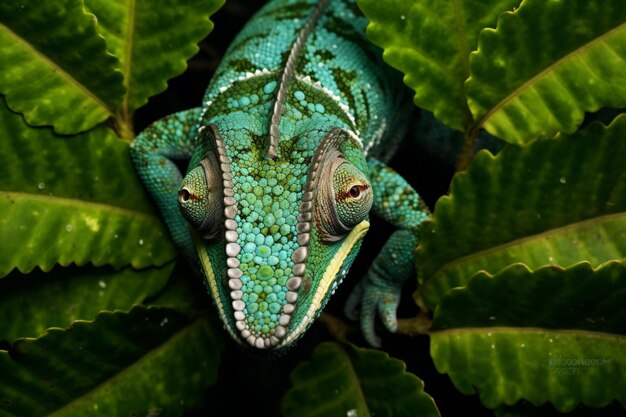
73, 200
152, 43
71, 294
578, 297
554, 335
54, 67
555, 202
524, 409
546, 65
430, 42
145, 362
343, 380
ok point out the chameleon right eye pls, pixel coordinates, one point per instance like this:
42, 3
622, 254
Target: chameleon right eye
342, 193
200, 198
353, 195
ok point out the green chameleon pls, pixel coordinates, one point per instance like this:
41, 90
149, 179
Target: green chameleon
286, 161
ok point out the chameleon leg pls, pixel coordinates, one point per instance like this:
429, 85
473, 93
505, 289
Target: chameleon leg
379, 291
154, 152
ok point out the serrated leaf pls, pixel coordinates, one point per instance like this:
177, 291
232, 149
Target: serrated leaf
343, 380
550, 335
152, 41
578, 297
555, 202
71, 294
73, 200
54, 67
546, 65
144, 362
430, 42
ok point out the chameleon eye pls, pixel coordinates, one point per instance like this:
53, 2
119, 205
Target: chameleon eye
184, 195
343, 199
355, 191
342, 194
353, 195
200, 199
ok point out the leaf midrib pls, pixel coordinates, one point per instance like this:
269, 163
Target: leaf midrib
128, 53
75, 201
519, 241
356, 382
526, 84
464, 52
136, 364
530, 329
59, 70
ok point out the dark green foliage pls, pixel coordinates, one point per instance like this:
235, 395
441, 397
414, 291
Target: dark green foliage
521, 265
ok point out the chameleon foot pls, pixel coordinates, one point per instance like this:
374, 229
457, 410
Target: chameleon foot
374, 296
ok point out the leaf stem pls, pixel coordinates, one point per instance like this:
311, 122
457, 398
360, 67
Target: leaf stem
336, 327
467, 153
124, 128
416, 325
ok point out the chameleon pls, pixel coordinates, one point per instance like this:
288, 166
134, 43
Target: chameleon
286, 160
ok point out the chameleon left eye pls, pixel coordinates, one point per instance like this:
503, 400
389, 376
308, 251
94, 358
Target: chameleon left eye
200, 199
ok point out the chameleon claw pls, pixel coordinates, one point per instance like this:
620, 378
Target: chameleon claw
371, 337
368, 318
387, 310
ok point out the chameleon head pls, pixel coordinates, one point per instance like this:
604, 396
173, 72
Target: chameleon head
277, 236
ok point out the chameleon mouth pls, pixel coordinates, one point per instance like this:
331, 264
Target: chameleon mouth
328, 283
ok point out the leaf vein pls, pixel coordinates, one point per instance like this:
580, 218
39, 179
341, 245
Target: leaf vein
355, 380
75, 201
518, 330
128, 53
